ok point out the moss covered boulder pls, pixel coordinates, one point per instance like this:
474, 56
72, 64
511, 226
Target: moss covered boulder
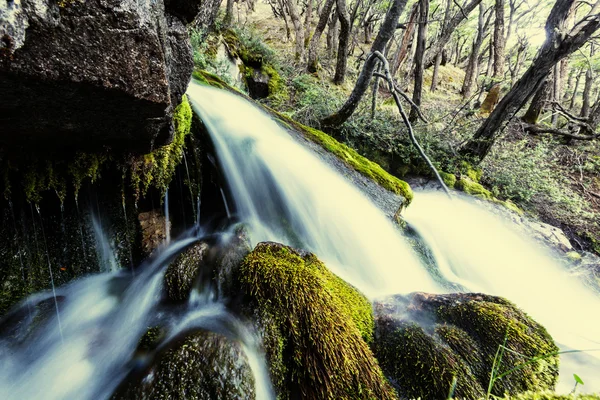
203, 366
314, 327
423, 342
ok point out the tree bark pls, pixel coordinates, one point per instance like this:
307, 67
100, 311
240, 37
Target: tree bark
438, 57
298, 28
472, 66
537, 103
344, 41
574, 96
406, 40
388, 27
308, 21
445, 36
313, 47
587, 88
419, 56
557, 46
228, 13
499, 44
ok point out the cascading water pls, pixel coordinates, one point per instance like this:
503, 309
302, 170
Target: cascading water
288, 195
103, 318
486, 254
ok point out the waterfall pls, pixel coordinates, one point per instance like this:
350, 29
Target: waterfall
289, 195
485, 253
285, 193
103, 318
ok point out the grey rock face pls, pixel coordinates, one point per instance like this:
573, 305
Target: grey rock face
88, 74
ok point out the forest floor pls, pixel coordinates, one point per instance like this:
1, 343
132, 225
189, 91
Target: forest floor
552, 179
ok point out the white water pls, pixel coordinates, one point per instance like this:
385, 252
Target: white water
288, 195
280, 187
103, 318
486, 254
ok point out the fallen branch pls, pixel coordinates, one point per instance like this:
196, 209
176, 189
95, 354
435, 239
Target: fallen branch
411, 133
405, 97
536, 130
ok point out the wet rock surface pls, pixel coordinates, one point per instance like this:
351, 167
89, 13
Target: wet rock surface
87, 74
424, 341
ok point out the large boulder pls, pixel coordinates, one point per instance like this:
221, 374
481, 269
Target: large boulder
203, 366
314, 327
88, 74
424, 342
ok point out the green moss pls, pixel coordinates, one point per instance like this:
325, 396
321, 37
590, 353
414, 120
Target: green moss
473, 188
277, 89
421, 367
320, 322
157, 168
449, 179
85, 166
548, 395
491, 321
351, 157
510, 205
207, 78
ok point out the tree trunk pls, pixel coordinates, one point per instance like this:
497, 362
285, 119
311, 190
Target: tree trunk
308, 21
332, 36
313, 47
406, 40
494, 93
488, 72
419, 56
446, 34
388, 27
556, 81
298, 28
556, 47
228, 13
344, 41
537, 103
472, 66
587, 88
438, 57
574, 96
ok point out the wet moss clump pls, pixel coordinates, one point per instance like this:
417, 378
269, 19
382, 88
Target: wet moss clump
182, 272
549, 395
203, 366
351, 157
313, 324
158, 167
473, 188
449, 179
458, 336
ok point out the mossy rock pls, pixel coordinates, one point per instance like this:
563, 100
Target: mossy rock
183, 271
204, 366
314, 327
458, 336
466, 185
549, 395
352, 158
449, 179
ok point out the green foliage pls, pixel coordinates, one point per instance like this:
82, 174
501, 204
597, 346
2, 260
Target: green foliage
473, 188
449, 179
528, 172
319, 322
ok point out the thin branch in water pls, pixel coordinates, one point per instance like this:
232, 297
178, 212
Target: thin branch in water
411, 133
